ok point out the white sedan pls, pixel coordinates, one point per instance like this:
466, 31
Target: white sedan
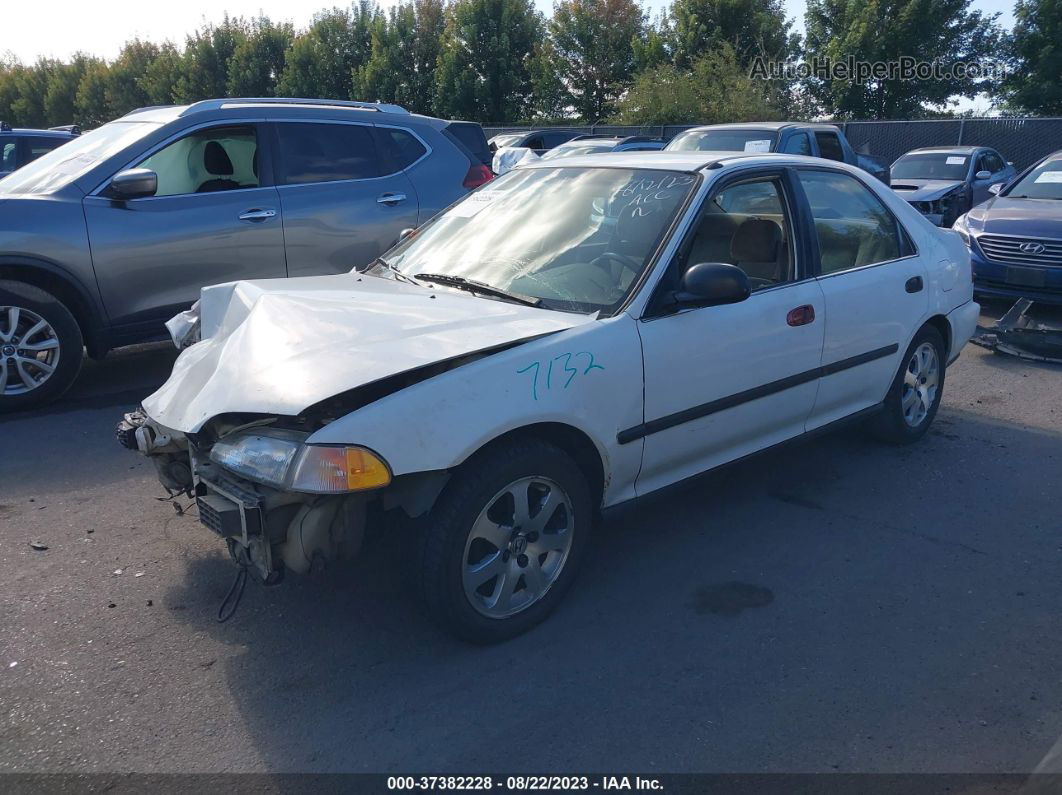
572, 336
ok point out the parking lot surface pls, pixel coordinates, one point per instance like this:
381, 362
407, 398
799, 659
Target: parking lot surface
836, 605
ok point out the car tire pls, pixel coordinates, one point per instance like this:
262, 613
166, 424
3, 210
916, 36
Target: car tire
914, 397
488, 573
38, 368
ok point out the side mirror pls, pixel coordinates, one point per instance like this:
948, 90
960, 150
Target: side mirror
983, 175
996, 188
712, 284
134, 183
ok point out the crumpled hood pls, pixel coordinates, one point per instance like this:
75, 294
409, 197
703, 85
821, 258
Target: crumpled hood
278, 346
924, 190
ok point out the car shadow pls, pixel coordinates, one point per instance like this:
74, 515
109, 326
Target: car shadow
766, 594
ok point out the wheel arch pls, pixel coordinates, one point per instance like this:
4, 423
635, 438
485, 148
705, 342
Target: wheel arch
57, 281
577, 443
942, 325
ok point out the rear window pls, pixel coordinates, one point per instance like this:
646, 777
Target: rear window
325, 152
472, 138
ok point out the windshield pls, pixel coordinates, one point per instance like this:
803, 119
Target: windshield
576, 238
566, 150
939, 165
722, 141
62, 166
504, 140
1043, 182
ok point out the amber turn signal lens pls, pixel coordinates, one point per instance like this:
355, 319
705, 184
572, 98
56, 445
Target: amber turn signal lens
334, 470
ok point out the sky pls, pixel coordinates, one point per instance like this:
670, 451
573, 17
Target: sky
100, 27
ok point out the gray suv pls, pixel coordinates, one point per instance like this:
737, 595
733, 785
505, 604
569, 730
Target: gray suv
106, 238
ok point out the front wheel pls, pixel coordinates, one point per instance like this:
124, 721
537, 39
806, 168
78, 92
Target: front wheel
503, 543
914, 397
41, 347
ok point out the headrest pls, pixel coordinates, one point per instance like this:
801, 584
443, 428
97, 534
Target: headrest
756, 240
216, 160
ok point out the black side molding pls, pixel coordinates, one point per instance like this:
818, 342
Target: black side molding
704, 409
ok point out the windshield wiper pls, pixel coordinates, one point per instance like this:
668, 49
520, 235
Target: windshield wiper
394, 269
473, 286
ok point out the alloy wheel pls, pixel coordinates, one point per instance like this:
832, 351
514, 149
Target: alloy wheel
517, 547
920, 384
29, 350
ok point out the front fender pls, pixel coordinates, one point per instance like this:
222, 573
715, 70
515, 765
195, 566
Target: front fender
588, 377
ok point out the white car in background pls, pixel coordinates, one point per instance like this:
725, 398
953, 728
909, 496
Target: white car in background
574, 335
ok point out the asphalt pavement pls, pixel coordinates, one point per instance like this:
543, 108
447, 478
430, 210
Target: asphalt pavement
837, 605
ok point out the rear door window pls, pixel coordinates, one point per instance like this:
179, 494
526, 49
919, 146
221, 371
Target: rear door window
310, 152
853, 227
829, 146
8, 153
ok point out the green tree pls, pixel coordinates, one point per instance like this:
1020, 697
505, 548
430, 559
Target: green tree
549, 96
716, 89
258, 60
484, 63
1035, 83
751, 27
160, 78
595, 55
322, 60
205, 67
945, 31
91, 101
60, 99
124, 90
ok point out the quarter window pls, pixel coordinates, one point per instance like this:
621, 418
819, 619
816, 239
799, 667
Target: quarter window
797, 145
325, 153
9, 151
405, 148
830, 146
746, 225
853, 227
207, 161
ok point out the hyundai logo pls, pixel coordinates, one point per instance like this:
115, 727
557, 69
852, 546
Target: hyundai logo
1031, 248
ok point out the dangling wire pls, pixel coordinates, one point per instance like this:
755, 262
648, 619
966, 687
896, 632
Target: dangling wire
227, 610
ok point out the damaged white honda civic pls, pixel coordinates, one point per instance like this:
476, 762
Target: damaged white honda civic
574, 335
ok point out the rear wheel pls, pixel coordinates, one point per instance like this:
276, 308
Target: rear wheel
41, 346
503, 543
914, 397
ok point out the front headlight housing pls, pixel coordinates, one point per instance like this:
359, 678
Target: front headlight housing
283, 460
963, 230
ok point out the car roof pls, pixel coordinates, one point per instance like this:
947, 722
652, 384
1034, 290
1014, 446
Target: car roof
39, 133
253, 107
766, 125
956, 150
676, 161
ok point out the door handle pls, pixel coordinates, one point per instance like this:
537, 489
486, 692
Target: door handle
801, 316
391, 198
257, 215
914, 284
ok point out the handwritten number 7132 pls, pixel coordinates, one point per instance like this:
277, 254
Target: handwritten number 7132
560, 371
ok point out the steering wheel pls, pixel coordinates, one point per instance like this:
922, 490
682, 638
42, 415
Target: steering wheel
623, 261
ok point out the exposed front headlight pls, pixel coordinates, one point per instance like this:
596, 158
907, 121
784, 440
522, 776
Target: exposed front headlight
283, 460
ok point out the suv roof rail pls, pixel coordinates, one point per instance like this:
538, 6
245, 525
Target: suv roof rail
73, 129
217, 104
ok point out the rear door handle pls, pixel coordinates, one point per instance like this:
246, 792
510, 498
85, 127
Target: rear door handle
258, 215
914, 284
391, 198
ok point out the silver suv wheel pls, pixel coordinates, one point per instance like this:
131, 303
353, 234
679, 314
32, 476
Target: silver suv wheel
29, 350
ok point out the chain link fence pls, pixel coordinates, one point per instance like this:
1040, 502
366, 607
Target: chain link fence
1022, 141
